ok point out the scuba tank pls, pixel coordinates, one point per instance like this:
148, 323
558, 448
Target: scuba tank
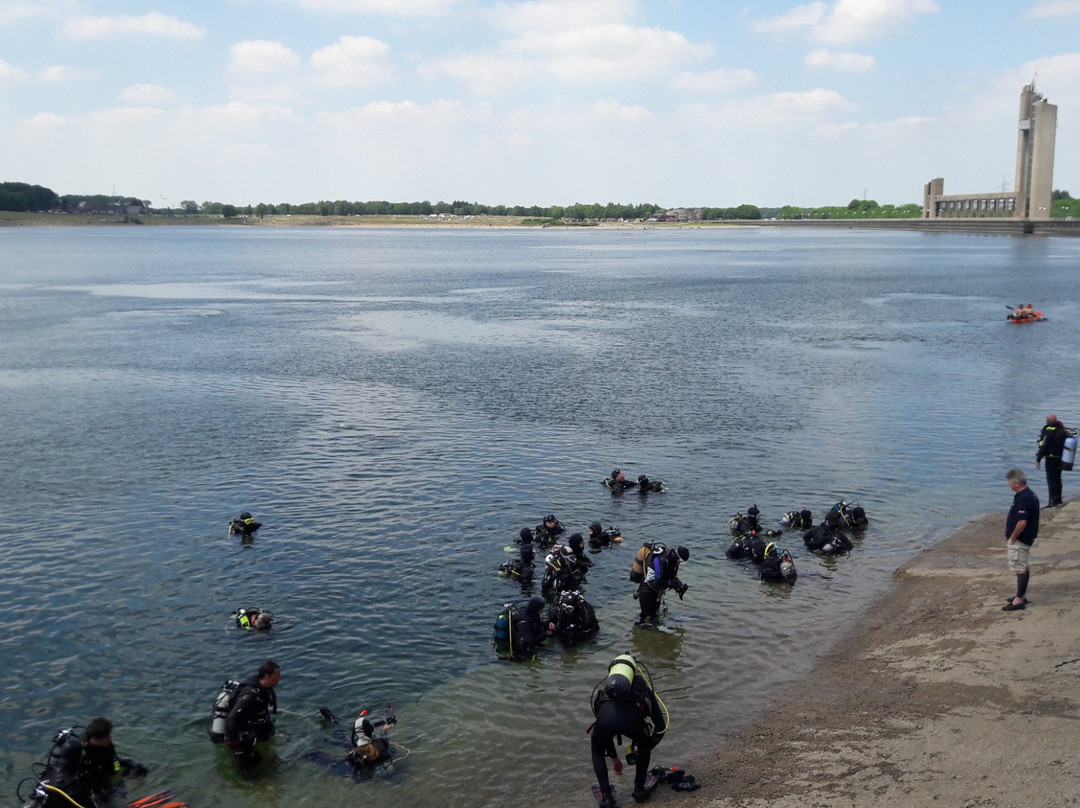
1068, 453
620, 680
637, 571
220, 711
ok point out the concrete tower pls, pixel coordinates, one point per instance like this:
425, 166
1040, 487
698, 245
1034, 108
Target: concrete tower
1035, 155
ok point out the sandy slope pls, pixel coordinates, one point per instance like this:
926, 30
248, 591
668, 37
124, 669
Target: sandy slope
936, 697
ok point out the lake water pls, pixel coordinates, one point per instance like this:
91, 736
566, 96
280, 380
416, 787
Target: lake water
395, 405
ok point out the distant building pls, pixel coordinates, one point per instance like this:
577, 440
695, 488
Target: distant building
1030, 197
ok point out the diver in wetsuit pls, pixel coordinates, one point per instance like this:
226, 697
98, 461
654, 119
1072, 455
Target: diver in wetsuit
625, 705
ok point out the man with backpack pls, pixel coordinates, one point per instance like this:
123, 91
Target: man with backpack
248, 719
659, 571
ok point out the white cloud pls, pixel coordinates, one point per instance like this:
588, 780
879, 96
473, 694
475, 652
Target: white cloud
147, 94
262, 56
391, 112
556, 15
846, 20
1055, 8
614, 111
715, 81
126, 115
8, 72
401, 8
46, 120
809, 108
18, 10
612, 52
351, 61
845, 62
151, 24
485, 72
242, 113
65, 73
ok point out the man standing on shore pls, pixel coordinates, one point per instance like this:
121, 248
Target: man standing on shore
1051, 445
1021, 529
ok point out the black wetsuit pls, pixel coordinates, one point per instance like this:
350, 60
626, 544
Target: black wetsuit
249, 719
639, 718
1051, 445
661, 574
529, 629
574, 618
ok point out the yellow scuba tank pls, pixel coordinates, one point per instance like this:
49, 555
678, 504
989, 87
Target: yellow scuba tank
620, 680
641, 560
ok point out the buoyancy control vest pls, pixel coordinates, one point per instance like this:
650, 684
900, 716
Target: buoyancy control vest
642, 559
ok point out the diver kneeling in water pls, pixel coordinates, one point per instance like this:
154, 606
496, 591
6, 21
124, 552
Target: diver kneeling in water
777, 567
827, 538
574, 617
599, 538
798, 520
259, 619
245, 526
521, 569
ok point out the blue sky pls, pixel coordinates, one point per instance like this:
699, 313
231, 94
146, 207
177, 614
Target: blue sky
676, 102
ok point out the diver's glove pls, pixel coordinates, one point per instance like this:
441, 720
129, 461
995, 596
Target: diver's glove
681, 590
131, 767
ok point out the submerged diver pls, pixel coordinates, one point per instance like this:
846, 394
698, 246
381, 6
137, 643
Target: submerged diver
777, 566
573, 617
561, 571
245, 526
521, 569
827, 538
548, 531
369, 753
626, 706
798, 520
617, 482
578, 558
599, 538
647, 486
259, 619
519, 631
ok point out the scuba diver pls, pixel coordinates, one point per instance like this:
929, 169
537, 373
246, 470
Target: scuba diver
849, 514
798, 520
625, 704
750, 522
578, 558
518, 631
369, 753
241, 715
521, 569
647, 486
561, 571
574, 617
259, 619
87, 772
548, 531
617, 482
245, 526
777, 566
600, 538
657, 570
827, 538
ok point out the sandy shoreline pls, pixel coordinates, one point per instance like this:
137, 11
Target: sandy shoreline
935, 696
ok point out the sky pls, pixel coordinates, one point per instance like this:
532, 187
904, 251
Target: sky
531, 102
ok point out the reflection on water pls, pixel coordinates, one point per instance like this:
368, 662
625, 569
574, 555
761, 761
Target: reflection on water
394, 406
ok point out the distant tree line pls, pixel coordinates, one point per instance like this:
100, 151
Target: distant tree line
1064, 206
21, 196
740, 212
343, 207
855, 209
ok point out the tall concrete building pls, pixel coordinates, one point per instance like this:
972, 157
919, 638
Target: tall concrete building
1030, 197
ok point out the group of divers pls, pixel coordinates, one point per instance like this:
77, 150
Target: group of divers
625, 703
83, 769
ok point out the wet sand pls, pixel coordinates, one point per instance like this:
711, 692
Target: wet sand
934, 697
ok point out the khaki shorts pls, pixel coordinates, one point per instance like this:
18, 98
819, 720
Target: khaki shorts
1019, 554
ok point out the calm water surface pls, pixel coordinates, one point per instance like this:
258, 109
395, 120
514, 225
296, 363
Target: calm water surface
395, 405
